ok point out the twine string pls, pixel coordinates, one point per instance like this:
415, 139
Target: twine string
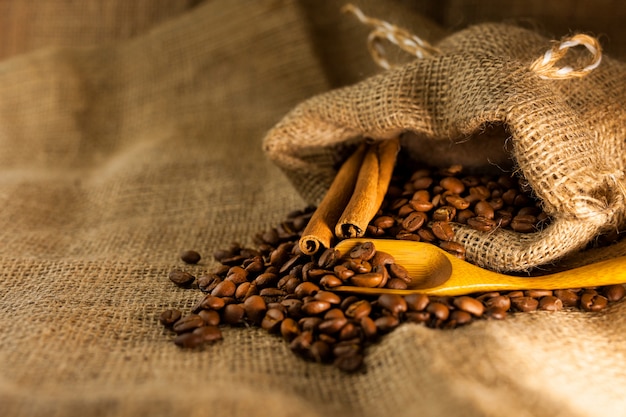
384, 31
546, 66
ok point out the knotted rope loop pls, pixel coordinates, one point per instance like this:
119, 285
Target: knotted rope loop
385, 31
546, 66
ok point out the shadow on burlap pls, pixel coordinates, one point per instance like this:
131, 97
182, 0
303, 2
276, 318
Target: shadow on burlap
115, 157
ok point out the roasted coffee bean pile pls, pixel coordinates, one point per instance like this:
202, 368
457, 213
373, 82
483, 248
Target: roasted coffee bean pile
423, 207
278, 288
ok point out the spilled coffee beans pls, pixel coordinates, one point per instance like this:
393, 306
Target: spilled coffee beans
276, 287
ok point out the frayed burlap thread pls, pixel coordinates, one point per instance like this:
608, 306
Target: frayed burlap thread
566, 131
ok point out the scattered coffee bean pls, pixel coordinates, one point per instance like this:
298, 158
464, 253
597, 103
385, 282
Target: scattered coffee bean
169, 317
188, 323
181, 278
208, 334
190, 256
188, 340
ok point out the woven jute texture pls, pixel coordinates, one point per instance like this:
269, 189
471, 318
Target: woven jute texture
565, 137
117, 153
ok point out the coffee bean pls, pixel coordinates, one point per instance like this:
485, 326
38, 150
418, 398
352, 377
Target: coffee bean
417, 302
438, 310
293, 263
525, 304
181, 278
453, 248
330, 281
328, 258
255, 308
453, 184
208, 334
460, 317
237, 275
320, 351
302, 342
591, 302
333, 325
550, 303
482, 223
420, 206
281, 254
315, 307
358, 266
444, 214
396, 284
242, 290
350, 331
208, 282
500, 301
310, 323
414, 221
419, 317
614, 292
234, 314
393, 303
369, 280
293, 307
568, 297
188, 340
188, 323
538, 293
289, 329
496, 313
224, 289
422, 183
384, 222
359, 309
209, 302
484, 209
523, 223
190, 256
385, 324
342, 272
169, 317
457, 202
306, 288
398, 271
426, 235
363, 251
327, 296
255, 265
463, 216
443, 231
272, 320
210, 317
470, 305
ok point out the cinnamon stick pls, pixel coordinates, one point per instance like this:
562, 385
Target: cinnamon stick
319, 230
370, 189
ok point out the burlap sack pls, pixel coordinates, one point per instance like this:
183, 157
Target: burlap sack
561, 110
116, 154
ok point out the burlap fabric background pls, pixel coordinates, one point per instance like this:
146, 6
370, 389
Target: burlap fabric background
130, 133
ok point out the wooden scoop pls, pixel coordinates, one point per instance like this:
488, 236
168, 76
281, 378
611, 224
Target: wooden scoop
437, 272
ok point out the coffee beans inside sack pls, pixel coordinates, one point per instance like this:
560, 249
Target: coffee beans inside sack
497, 145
